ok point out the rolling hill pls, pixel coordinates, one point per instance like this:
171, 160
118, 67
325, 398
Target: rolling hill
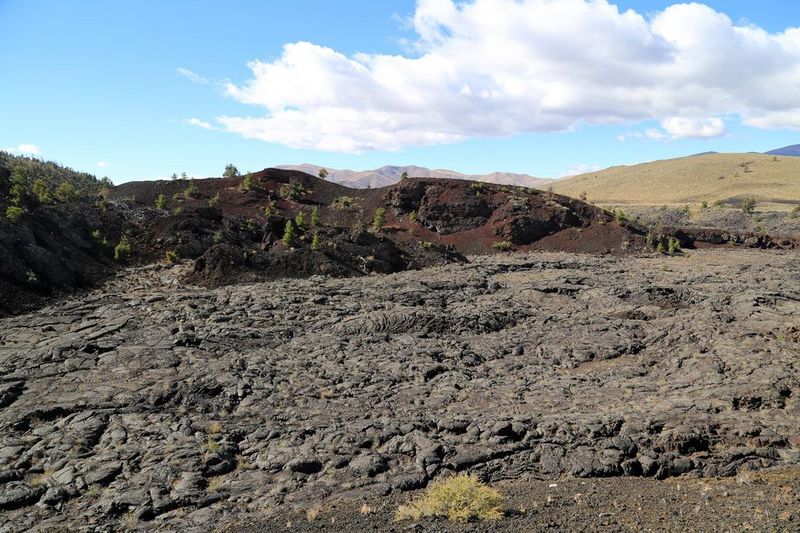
389, 175
770, 179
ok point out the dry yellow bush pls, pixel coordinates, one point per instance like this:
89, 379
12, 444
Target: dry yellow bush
461, 498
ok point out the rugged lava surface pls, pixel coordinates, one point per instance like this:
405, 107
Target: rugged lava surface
153, 404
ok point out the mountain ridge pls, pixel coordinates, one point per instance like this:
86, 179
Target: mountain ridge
391, 174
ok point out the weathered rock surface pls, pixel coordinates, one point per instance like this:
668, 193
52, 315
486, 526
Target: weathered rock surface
155, 405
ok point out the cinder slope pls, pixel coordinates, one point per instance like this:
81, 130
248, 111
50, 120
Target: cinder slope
712, 177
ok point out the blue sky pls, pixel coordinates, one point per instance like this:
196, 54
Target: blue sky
95, 85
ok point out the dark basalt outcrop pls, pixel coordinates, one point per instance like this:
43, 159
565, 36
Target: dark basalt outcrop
154, 405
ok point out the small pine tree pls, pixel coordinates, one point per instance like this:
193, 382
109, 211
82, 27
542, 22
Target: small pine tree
122, 248
190, 191
404, 175
13, 214
161, 201
380, 219
41, 191
748, 205
315, 241
230, 171
173, 177
323, 173
247, 182
300, 219
66, 191
288, 233
315, 217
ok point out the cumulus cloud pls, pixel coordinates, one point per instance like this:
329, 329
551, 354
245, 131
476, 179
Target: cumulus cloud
29, 149
102, 164
494, 68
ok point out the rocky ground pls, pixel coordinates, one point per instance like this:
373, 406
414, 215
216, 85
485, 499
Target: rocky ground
151, 404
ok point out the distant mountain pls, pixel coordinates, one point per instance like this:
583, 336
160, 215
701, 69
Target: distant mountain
789, 151
389, 175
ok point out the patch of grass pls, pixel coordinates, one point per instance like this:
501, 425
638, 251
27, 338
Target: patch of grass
461, 499
503, 246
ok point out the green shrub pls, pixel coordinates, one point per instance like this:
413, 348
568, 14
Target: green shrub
315, 241
748, 205
288, 233
323, 173
122, 249
673, 246
178, 210
661, 248
503, 246
161, 201
247, 182
217, 237
343, 202
412, 216
31, 277
213, 201
379, 220
795, 211
461, 499
300, 219
315, 217
13, 214
703, 205
619, 215
171, 256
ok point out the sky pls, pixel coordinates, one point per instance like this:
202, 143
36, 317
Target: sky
140, 89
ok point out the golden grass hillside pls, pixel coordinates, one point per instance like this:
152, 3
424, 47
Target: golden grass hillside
692, 180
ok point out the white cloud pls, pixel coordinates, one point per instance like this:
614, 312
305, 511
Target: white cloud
493, 68
579, 168
29, 149
191, 76
102, 164
681, 128
200, 123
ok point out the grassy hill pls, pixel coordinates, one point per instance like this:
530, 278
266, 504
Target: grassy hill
726, 178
